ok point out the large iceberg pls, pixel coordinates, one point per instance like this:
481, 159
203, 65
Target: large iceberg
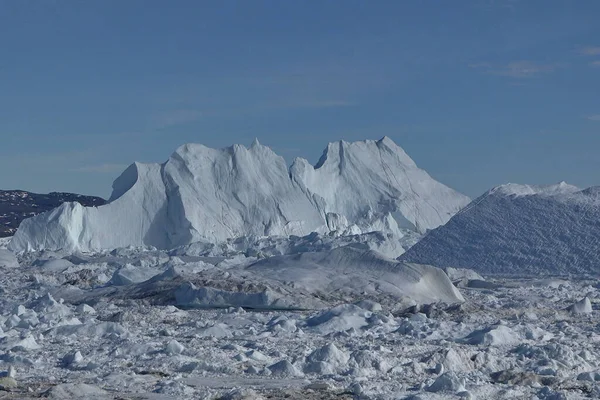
519, 229
211, 195
371, 182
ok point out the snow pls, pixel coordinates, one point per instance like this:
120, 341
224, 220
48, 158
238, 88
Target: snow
285, 369
8, 259
4, 242
519, 229
387, 244
174, 347
222, 274
513, 189
327, 360
584, 306
71, 391
356, 270
300, 281
190, 295
131, 274
493, 336
447, 382
375, 185
212, 195
340, 319
68, 335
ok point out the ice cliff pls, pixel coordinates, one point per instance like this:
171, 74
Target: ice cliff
211, 195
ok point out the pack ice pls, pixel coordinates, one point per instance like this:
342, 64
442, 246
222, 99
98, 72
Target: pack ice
319, 316
519, 229
210, 195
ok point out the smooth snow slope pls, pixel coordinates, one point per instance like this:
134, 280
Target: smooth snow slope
355, 270
377, 186
520, 229
211, 195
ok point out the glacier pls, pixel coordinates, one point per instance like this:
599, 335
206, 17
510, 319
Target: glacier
519, 230
210, 195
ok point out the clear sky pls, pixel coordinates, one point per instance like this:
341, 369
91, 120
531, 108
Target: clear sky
478, 92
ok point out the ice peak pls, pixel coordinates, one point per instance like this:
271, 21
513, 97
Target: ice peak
518, 190
387, 141
212, 195
337, 152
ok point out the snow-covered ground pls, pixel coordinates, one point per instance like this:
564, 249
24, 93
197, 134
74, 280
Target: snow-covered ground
148, 324
222, 274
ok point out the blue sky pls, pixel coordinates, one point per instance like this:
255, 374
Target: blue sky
478, 92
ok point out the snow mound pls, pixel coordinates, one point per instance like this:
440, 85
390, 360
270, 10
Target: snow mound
519, 229
357, 270
285, 369
330, 354
448, 382
129, 274
584, 306
498, 335
339, 319
211, 195
327, 360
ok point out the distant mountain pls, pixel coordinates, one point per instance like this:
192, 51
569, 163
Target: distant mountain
17, 205
519, 229
212, 195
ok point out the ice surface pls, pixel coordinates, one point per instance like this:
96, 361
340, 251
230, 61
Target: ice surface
388, 244
339, 319
247, 303
211, 195
376, 186
8, 259
354, 270
65, 334
519, 229
300, 281
4, 242
72, 391
584, 306
447, 382
493, 336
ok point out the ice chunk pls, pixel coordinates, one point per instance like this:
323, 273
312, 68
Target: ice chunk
583, 306
8, 259
285, 369
498, 335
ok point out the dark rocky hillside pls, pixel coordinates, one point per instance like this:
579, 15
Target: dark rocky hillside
17, 205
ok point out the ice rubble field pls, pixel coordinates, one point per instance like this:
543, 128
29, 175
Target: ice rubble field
142, 324
235, 277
